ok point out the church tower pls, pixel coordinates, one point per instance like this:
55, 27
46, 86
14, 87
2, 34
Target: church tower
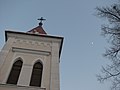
30, 60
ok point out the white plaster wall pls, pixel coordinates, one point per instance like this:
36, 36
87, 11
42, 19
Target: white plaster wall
55, 81
31, 49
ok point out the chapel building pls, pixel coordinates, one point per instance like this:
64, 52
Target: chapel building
30, 60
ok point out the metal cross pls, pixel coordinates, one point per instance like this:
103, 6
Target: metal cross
41, 19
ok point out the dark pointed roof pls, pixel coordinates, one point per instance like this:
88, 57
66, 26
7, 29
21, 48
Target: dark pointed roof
37, 30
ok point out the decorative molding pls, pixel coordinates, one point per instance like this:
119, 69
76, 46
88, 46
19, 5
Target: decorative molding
17, 87
30, 51
31, 42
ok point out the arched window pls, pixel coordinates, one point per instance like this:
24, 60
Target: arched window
15, 72
36, 75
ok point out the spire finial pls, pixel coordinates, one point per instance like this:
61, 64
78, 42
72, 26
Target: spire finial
41, 19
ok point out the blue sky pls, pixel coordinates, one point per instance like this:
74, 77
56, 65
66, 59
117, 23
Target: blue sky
83, 47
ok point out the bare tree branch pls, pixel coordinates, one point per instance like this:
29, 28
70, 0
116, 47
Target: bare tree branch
112, 32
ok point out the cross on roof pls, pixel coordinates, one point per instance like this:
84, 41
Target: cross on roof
41, 19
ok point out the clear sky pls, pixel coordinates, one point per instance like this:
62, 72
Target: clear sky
83, 47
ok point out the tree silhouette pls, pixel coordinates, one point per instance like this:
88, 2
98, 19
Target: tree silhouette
112, 31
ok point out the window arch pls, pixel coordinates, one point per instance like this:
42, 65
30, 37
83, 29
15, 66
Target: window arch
36, 75
15, 72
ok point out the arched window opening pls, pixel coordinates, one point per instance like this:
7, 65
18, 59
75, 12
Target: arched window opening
36, 75
15, 72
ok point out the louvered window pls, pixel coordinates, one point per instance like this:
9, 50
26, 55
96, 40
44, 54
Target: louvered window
36, 75
15, 72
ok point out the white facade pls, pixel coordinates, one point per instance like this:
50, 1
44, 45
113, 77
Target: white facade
31, 48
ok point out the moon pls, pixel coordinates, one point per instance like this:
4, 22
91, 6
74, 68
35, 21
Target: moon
92, 43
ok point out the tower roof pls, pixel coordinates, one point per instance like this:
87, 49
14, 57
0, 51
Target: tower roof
37, 30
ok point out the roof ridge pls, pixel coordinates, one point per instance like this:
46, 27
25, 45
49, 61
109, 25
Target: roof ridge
37, 30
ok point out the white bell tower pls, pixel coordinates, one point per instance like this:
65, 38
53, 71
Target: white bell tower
30, 60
